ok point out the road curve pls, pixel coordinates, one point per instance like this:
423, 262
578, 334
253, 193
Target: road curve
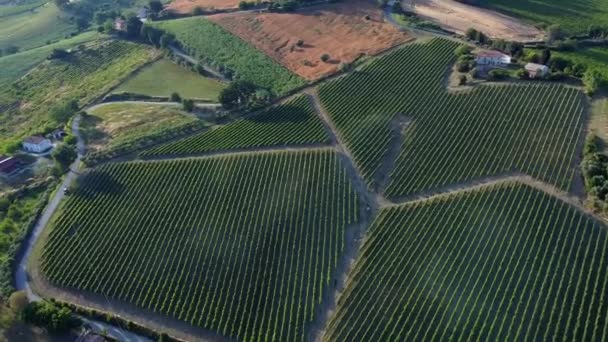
22, 278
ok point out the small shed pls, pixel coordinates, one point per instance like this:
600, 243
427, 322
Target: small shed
537, 70
36, 144
493, 57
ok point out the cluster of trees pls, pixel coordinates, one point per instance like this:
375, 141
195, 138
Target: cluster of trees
244, 94
9, 50
50, 315
595, 173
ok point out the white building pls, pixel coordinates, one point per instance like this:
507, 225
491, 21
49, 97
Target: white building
536, 70
36, 144
493, 58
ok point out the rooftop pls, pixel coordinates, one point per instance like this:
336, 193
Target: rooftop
34, 140
492, 53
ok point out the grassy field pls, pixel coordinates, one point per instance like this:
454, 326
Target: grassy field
17, 65
451, 137
33, 29
83, 76
574, 16
9, 9
115, 124
292, 123
241, 245
164, 77
212, 44
507, 263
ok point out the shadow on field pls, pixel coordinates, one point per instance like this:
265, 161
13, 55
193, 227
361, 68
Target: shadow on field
288, 113
91, 184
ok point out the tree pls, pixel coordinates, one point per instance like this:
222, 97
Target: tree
166, 40
64, 155
133, 27
545, 56
18, 301
471, 33
175, 97
188, 105
592, 80
61, 114
237, 94
58, 54
198, 10
325, 57
50, 315
462, 50
555, 32
462, 80
155, 6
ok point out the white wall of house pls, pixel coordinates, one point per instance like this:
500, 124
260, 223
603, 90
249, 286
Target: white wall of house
40, 147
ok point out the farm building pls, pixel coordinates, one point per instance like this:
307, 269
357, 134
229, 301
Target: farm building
9, 166
120, 24
36, 144
536, 70
492, 58
142, 14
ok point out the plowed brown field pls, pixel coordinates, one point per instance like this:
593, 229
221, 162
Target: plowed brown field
186, 6
345, 31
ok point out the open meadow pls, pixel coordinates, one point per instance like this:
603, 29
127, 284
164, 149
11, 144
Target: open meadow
507, 263
345, 31
242, 245
164, 77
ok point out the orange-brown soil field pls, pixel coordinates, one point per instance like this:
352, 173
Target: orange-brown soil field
187, 6
344, 30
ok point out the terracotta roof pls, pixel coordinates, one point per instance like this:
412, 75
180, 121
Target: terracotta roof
492, 54
534, 66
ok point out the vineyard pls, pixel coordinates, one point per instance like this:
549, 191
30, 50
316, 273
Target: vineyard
452, 137
292, 123
241, 245
83, 76
506, 263
213, 45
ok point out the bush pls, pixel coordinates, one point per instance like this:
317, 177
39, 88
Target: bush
64, 155
522, 74
49, 315
175, 97
463, 50
188, 105
462, 80
18, 301
325, 57
592, 80
198, 10
463, 66
498, 74
71, 140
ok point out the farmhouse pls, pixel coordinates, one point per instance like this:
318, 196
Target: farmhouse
120, 24
536, 70
493, 58
9, 166
37, 144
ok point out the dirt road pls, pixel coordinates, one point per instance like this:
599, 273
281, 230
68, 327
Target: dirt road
458, 17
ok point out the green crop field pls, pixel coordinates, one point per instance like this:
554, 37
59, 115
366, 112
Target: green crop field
506, 263
292, 123
210, 43
241, 245
574, 16
84, 76
16, 65
164, 77
29, 29
8, 9
452, 137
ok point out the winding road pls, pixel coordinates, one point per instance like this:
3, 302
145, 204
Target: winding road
22, 278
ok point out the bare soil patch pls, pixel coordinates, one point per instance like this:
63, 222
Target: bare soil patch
458, 17
345, 31
187, 6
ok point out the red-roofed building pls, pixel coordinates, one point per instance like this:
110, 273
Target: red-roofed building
493, 58
9, 166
